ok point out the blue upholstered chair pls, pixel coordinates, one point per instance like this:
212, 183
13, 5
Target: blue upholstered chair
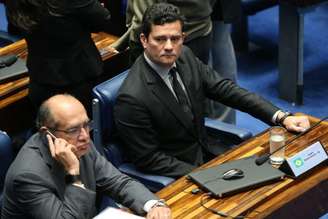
6, 157
104, 99
325, 216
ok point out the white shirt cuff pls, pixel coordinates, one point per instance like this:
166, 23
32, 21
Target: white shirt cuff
149, 204
274, 117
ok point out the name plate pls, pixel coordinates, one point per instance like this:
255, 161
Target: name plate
304, 160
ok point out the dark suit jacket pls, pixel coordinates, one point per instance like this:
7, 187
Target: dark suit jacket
35, 185
60, 50
158, 136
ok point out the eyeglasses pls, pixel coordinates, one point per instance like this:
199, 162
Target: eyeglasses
75, 132
173, 39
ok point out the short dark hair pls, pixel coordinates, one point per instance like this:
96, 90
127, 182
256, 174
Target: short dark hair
159, 14
44, 116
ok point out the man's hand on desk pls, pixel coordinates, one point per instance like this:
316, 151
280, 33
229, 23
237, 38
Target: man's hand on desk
159, 212
296, 123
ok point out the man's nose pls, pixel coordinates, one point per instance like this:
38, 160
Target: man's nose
168, 44
84, 134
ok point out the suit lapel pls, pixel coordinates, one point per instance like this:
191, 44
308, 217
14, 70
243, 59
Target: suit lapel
163, 93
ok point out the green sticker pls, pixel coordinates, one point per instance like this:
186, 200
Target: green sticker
298, 162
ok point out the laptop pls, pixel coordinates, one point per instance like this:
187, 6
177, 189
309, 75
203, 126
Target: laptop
210, 179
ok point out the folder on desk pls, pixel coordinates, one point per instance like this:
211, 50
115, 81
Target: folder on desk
14, 71
210, 179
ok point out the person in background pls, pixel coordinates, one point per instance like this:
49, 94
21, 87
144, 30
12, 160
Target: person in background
62, 57
159, 111
222, 53
198, 26
58, 173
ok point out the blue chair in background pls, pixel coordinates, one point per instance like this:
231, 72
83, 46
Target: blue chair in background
6, 37
324, 216
240, 29
6, 157
104, 131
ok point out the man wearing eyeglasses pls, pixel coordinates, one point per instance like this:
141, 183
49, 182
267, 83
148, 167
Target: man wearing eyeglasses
58, 173
159, 110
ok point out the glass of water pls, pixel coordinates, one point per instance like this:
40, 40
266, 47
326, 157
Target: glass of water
277, 140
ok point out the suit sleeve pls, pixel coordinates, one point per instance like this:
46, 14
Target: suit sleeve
40, 201
227, 92
119, 186
141, 140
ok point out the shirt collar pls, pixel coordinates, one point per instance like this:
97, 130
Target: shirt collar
162, 71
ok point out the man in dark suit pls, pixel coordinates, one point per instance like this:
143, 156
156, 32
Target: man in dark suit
160, 106
58, 173
62, 57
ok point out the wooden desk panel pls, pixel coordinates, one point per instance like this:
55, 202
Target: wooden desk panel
256, 203
13, 91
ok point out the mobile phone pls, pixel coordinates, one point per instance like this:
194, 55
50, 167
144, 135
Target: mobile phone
51, 135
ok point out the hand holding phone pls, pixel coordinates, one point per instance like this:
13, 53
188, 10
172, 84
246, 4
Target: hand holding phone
62, 151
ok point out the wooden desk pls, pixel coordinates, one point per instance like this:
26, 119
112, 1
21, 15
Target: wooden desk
16, 90
291, 28
267, 201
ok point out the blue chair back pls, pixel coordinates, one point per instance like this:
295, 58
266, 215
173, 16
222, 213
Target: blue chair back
104, 97
6, 157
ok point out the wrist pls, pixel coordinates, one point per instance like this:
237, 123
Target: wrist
73, 171
160, 203
281, 118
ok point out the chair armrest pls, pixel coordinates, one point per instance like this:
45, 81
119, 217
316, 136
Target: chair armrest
153, 182
216, 127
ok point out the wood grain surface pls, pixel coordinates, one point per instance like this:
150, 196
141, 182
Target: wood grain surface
254, 203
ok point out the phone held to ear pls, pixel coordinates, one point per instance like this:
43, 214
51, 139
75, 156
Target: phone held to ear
51, 135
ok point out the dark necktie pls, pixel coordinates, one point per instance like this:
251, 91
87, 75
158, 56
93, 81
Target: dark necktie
180, 94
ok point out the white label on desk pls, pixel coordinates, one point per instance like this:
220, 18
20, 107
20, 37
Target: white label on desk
117, 214
307, 158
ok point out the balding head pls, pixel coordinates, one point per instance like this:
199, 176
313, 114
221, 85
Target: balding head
53, 109
65, 117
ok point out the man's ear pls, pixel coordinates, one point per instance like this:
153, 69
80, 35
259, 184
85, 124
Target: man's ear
43, 129
143, 40
183, 36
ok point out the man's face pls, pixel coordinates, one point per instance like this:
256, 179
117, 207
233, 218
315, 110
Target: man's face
164, 43
73, 126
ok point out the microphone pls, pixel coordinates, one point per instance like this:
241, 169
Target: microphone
262, 159
6, 61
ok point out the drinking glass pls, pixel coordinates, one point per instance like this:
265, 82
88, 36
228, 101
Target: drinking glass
277, 140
